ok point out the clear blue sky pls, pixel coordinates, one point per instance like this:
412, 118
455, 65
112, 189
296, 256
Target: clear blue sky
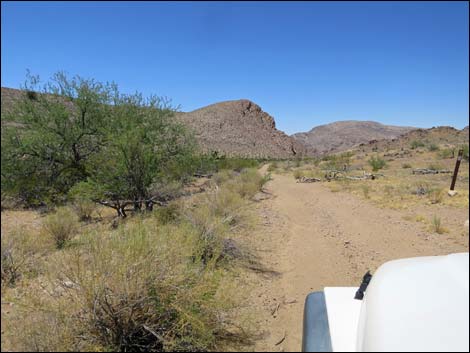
304, 63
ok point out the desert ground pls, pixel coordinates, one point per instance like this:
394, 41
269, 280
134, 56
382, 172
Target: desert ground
312, 237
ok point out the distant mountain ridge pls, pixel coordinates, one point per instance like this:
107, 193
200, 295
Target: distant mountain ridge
241, 128
438, 135
342, 135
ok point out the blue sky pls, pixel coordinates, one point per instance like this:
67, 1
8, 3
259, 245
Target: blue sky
305, 63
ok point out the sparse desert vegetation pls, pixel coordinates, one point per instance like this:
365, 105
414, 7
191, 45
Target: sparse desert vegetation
160, 281
129, 250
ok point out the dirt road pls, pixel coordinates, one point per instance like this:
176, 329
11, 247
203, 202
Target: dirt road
315, 238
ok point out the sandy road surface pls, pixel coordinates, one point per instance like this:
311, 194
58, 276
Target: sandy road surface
316, 238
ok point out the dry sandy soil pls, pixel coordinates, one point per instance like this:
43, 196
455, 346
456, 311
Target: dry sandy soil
314, 238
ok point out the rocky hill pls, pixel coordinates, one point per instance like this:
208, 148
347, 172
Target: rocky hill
342, 135
240, 128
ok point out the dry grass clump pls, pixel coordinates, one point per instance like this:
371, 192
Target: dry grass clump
435, 166
422, 188
139, 288
273, 166
436, 225
21, 255
215, 214
365, 190
298, 173
248, 183
156, 283
61, 226
222, 176
84, 209
436, 195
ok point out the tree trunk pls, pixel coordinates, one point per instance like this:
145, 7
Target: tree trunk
137, 206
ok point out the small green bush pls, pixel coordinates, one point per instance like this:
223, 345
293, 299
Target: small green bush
61, 226
377, 163
465, 152
416, 143
433, 147
446, 153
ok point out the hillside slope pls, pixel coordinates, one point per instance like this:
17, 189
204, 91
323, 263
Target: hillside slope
342, 135
441, 135
240, 128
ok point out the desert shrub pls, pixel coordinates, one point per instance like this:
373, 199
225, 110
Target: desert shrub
137, 289
406, 166
298, 173
445, 153
21, 254
435, 166
222, 176
229, 206
416, 143
437, 225
248, 183
465, 152
436, 195
210, 230
237, 164
340, 161
84, 209
61, 226
273, 166
11, 264
167, 190
168, 214
377, 163
422, 188
433, 147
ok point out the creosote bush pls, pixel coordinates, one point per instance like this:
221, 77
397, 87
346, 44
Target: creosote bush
61, 226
